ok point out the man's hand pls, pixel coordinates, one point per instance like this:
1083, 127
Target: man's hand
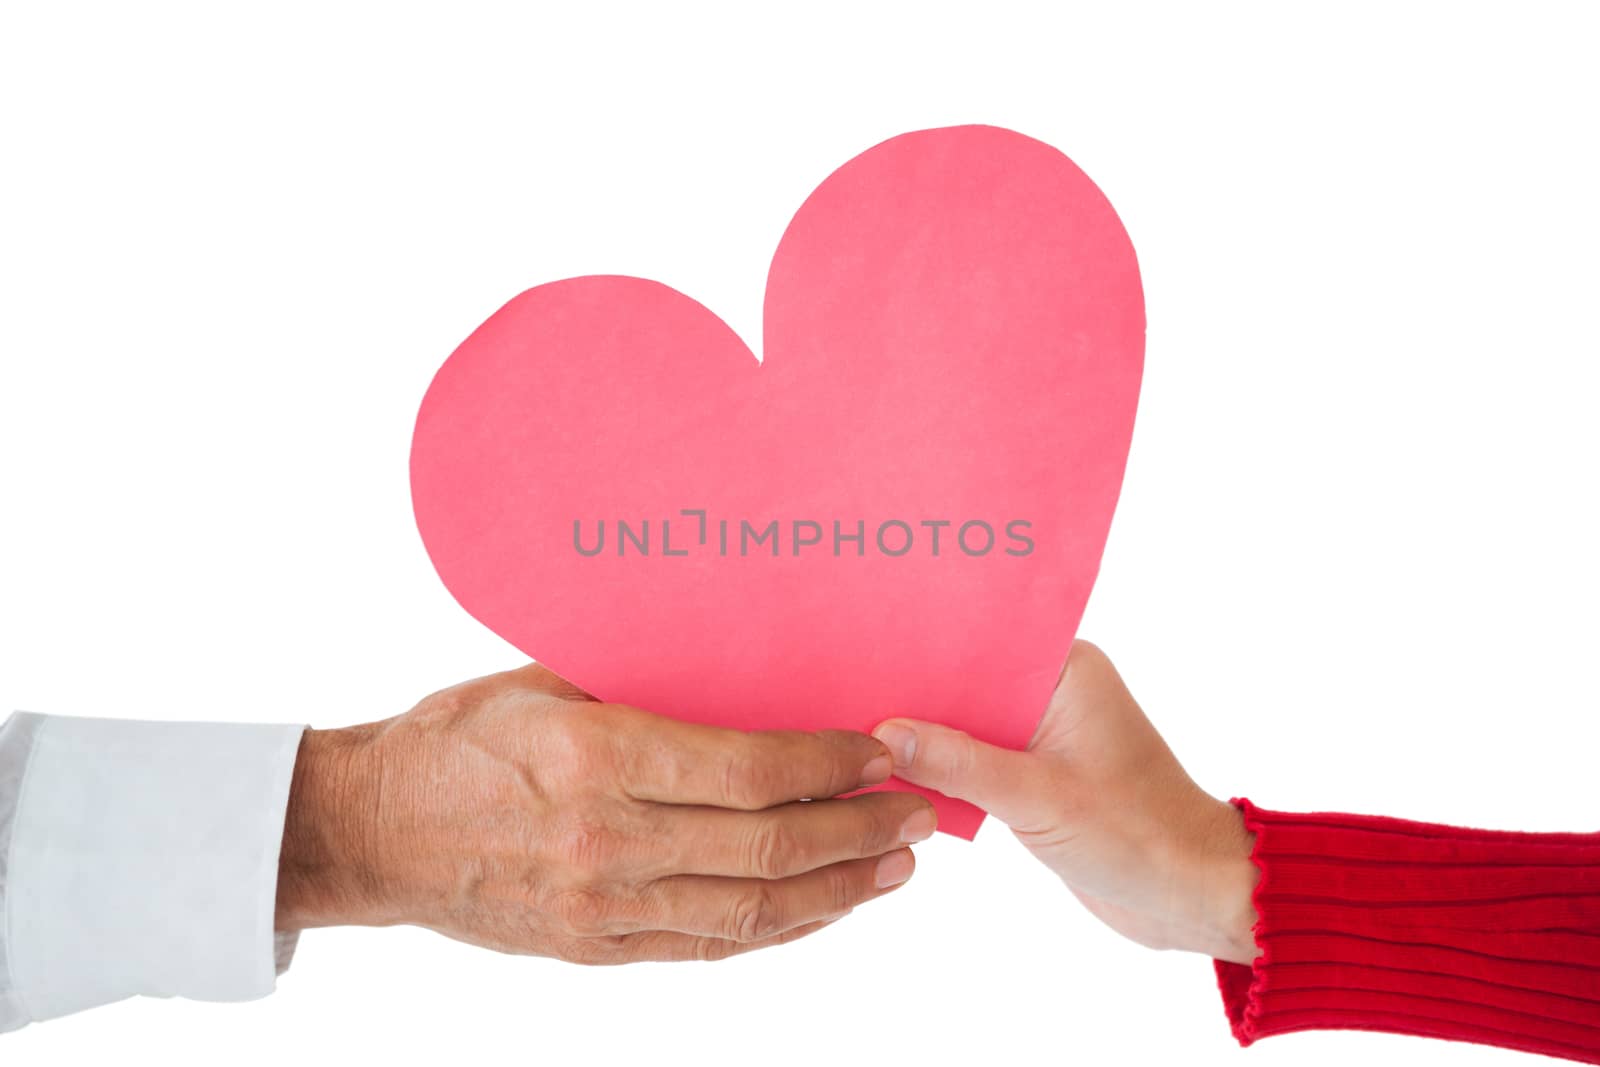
1100, 799
517, 813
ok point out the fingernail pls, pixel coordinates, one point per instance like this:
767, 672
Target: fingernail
919, 827
901, 741
877, 770
894, 869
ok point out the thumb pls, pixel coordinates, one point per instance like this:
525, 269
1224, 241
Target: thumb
1005, 783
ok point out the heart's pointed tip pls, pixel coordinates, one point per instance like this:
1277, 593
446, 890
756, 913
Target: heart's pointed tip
963, 832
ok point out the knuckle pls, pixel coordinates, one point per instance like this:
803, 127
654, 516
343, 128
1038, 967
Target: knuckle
536, 678
583, 913
575, 749
841, 892
595, 951
839, 749
755, 916
882, 831
775, 850
711, 949
449, 706
747, 781
953, 757
1089, 654
732, 779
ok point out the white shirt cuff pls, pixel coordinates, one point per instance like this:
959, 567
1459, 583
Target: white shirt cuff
138, 858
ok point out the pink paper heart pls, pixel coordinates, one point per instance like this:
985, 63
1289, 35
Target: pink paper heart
954, 333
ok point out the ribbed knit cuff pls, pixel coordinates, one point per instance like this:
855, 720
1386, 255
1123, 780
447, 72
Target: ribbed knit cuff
1368, 923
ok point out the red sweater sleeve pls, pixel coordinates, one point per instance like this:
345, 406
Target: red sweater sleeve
1368, 923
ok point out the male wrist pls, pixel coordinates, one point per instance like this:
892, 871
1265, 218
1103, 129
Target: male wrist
326, 842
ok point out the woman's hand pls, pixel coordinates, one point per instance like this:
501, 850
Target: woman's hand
1100, 799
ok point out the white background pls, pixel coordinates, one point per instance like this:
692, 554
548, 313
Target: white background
1354, 566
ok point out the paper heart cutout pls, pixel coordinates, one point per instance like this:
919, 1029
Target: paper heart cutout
954, 333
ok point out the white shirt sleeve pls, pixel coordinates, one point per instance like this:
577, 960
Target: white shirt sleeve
138, 858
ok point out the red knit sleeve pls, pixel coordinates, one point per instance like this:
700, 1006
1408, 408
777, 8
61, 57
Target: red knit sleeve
1367, 923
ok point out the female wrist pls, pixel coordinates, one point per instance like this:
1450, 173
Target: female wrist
1219, 887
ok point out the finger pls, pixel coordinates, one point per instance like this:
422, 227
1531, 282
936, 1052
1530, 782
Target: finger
748, 910
789, 839
672, 762
667, 946
1001, 781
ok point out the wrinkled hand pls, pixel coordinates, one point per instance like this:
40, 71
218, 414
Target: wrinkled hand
1100, 799
517, 813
